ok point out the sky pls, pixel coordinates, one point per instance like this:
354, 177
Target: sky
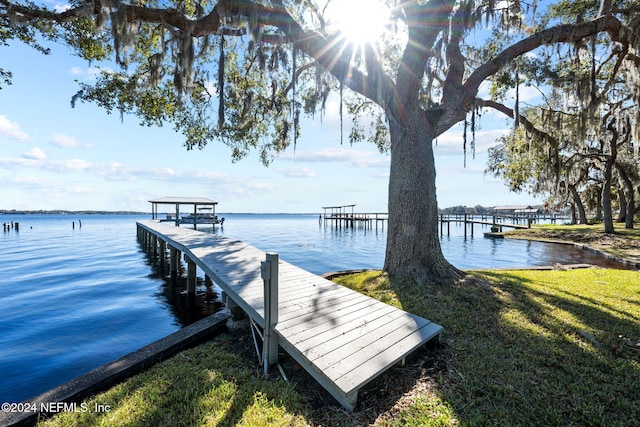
54, 157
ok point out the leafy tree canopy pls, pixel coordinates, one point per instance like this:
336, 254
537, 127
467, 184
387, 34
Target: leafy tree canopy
244, 71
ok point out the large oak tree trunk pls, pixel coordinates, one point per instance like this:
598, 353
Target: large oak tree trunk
622, 205
607, 214
413, 245
582, 214
630, 201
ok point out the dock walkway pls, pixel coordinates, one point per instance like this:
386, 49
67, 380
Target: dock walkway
342, 338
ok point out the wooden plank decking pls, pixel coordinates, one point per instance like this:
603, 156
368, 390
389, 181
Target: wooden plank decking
342, 338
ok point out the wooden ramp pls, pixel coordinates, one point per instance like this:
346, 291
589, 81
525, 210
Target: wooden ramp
341, 337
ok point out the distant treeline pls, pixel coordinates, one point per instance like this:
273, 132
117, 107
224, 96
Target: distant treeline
63, 212
478, 210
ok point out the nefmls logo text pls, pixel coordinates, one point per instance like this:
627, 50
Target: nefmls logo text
55, 407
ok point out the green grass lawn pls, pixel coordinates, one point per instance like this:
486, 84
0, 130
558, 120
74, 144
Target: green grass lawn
522, 348
207, 385
578, 229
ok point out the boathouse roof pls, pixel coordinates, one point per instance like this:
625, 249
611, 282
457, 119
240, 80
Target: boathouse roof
183, 201
513, 208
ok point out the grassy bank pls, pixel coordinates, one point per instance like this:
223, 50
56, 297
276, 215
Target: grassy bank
519, 348
535, 347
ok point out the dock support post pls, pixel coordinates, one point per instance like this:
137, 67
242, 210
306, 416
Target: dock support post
154, 249
163, 257
465, 226
269, 272
173, 263
143, 239
191, 277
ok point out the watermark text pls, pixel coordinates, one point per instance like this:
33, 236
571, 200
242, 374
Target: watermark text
53, 407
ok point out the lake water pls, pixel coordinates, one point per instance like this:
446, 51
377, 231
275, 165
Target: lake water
77, 292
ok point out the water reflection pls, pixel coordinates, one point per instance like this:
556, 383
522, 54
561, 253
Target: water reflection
487, 253
319, 248
185, 307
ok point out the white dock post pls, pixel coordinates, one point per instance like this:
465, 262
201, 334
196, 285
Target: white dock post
269, 272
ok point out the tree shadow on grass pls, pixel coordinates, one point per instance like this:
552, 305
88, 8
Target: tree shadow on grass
211, 384
520, 354
513, 353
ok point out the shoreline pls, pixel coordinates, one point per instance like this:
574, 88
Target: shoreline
70, 394
583, 246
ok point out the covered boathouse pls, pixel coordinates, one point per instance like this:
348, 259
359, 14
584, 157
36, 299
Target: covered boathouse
191, 217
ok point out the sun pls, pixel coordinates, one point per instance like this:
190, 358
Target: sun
360, 21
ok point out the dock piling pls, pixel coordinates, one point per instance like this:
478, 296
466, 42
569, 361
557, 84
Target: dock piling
191, 277
162, 262
174, 256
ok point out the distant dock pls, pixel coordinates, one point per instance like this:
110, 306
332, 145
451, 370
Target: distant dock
497, 221
8, 226
344, 217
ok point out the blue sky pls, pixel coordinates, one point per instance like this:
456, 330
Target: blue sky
56, 157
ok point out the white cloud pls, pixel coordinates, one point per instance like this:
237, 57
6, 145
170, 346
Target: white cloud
11, 129
526, 94
80, 190
261, 186
356, 158
208, 177
297, 172
35, 154
69, 165
383, 175
61, 7
452, 142
88, 73
121, 172
28, 182
64, 141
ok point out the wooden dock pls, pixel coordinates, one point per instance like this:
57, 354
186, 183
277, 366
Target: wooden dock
344, 217
498, 221
342, 338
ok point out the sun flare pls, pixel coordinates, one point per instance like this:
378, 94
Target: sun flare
360, 21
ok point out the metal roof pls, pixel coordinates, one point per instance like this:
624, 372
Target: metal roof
184, 201
512, 207
338, 207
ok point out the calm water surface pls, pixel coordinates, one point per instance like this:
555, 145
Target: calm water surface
74, 298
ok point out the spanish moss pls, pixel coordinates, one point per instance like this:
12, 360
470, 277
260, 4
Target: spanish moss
516, 107
464, 141
221, 66
473, 130
294, 112
341, 118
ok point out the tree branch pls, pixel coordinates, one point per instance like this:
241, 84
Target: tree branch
424, 23
23, 14
561, 34
523, 120
456, 66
